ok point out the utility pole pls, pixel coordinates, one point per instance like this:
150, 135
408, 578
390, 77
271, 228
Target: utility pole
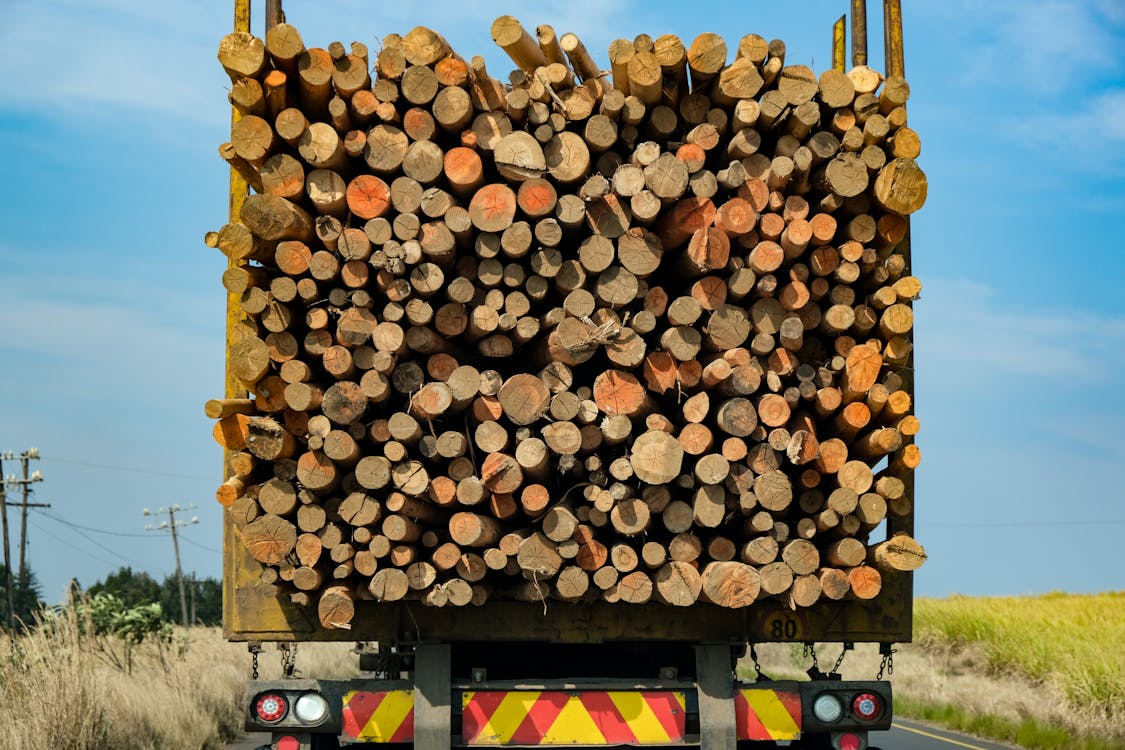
171, 525
7, 455
25, 481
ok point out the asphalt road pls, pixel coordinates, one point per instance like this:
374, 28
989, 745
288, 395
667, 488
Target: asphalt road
910, 735
905, 735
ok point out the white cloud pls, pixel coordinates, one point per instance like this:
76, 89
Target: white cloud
969, 335
64, 57
1092, 133
1040, 48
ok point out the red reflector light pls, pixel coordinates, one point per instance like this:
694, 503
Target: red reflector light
867, 706
850, 742
271, 707
288, 742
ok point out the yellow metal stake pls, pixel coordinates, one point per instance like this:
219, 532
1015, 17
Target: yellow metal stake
233, 386
839, 44
859, 32
892, 23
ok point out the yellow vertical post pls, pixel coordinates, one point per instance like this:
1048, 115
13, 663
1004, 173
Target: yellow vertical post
233, 386
892, 24
859, 32
238, 191
839, 43
895, 66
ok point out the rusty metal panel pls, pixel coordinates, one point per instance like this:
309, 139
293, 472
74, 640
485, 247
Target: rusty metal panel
260, 614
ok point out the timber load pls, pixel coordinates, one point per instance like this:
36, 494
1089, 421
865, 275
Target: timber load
629, 333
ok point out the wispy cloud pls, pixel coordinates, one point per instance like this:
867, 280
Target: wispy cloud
122, 54
1037, 48
119, 343
968, 334
1097, 122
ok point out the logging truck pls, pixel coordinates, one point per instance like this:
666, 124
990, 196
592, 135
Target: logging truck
558, 396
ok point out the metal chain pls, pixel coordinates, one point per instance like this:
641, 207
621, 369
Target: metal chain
810, 650
288, 659
255, 648
756, 663
836, 667
888, 663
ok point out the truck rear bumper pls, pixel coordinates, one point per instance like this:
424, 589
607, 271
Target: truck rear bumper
572, 714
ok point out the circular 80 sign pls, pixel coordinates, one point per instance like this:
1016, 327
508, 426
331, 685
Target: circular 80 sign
782, 625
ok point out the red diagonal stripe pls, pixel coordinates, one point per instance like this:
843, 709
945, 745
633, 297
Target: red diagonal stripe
614, 727
540, 718
792, 703
750, 727
405, 732
670, 713
359, 710
478, 712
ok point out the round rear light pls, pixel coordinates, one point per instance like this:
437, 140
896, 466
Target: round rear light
850, 742
271, 707
827, 709
310, 708
867, 706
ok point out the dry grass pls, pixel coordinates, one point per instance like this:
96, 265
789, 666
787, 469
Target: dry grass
1056, 662
1036, 667
1073, 643
60, 688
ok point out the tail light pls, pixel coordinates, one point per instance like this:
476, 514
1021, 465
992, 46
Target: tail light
849, 741
310, 708
271, 707
867, 706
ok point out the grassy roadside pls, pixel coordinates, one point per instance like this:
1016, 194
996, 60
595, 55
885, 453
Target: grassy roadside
1068, 647
1041, 672
64, 686
1045, 673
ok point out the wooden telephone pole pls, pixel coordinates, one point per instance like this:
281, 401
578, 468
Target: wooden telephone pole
24, 481
171, 525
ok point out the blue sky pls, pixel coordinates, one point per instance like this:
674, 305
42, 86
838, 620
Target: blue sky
111, 309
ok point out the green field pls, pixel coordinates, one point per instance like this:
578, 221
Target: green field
1072, 646
1076, 642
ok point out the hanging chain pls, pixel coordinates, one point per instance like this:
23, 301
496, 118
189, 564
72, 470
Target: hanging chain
255, 648
888, 663
810, 650
814, 671
756, 663
288, 659
836, 667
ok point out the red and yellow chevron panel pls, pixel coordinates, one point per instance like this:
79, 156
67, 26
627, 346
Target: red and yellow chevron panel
562, 718
382, 716
763, 714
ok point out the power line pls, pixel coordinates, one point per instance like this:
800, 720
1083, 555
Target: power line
73, 546
99, 545
65, 522
129, 469
1020, 524
201, 546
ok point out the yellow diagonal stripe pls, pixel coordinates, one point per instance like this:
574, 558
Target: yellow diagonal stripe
574, 726
777, 721
507, 717
640, 717
388, 717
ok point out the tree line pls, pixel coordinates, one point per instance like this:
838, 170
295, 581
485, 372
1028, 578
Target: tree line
204, 598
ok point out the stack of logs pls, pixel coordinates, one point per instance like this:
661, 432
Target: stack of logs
629, 335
